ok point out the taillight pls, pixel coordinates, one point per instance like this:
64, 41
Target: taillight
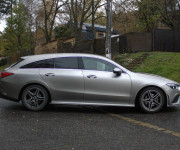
6, 74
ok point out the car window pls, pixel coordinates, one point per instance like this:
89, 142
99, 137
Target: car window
97, 64
48, 63
66, 62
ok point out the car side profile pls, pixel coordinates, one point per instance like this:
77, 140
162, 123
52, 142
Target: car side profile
84, 79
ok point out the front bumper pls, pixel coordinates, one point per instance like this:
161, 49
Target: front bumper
176, 101
173, 96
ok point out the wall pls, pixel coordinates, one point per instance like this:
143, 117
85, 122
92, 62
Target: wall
46, 48
139, 42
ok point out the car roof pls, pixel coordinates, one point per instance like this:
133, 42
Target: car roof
54, 55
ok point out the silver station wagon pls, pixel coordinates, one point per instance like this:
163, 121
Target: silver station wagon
84, 79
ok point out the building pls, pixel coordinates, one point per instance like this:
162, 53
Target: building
99, 31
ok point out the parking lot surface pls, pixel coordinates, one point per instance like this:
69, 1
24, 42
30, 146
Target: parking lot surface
62, 127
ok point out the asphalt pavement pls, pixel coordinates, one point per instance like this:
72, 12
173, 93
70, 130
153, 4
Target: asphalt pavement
62, 127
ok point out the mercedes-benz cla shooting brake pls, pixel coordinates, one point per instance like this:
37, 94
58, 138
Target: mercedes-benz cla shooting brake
84, 79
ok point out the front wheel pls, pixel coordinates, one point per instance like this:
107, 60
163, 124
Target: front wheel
35, 97
151, 100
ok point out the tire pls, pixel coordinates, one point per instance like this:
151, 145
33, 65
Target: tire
151, 100
35, 97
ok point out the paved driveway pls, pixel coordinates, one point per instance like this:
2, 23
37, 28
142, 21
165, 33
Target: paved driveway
87, 128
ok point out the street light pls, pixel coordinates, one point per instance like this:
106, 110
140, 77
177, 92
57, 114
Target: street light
108, 28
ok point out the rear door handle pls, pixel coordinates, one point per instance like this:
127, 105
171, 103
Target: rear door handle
92, 76
49, 74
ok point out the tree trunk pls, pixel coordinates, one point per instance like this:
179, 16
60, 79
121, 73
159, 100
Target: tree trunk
93, 30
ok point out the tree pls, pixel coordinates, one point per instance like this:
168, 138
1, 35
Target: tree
16, 35
149, 14
79, 11
6, 7
153, 11
124, 16
1, 45
48, 13
62, 32
170, 13
95, 5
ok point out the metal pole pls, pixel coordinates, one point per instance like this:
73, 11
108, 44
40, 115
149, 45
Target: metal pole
108, 28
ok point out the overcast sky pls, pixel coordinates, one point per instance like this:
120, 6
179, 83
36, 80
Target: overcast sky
2, 25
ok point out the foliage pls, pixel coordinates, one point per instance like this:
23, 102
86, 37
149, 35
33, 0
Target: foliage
1, 46
149, 14
170, 13
153, 11
6, 6
62, 32
16, 35
124, 16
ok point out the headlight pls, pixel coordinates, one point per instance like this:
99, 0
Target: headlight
174, 86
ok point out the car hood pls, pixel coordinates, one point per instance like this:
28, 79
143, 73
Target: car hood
155, 78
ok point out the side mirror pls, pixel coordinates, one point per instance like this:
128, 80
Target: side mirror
117, 71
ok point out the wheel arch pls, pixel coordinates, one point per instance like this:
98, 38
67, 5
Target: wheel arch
136, 99
29, 84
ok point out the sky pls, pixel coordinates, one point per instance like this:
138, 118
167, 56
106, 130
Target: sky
2, 25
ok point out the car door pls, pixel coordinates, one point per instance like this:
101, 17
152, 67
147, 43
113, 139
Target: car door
104, 86
65, 80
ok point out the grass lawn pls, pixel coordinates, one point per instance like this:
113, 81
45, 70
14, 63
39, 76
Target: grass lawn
3, 67
160, 63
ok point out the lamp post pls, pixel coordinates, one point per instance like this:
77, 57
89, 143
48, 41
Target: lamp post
108, 28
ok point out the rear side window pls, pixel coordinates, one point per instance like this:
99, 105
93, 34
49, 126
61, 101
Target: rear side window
66, 62
48, 63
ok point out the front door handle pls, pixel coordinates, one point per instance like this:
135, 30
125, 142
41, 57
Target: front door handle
49, 74
92, 76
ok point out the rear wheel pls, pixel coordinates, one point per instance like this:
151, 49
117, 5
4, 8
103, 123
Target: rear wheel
35, 97
151, 100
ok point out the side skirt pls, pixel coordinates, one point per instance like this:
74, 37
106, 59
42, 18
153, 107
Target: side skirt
94, 104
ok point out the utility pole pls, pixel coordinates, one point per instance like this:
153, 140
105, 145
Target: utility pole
108, 28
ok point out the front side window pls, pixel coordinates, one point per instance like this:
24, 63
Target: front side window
66, 62
97, 64
48, 63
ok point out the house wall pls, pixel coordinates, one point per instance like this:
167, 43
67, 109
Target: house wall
97, 34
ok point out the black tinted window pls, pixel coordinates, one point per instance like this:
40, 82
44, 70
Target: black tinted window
48, 63
97, 64
66, 62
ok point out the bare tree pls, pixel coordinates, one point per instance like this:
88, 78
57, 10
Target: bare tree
170, 13
124, 15
48, 13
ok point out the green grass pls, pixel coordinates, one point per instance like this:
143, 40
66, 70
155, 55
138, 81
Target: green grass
160, 63
127, 58
3, 67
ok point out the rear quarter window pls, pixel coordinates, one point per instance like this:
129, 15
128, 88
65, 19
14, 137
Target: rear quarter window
48, 63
